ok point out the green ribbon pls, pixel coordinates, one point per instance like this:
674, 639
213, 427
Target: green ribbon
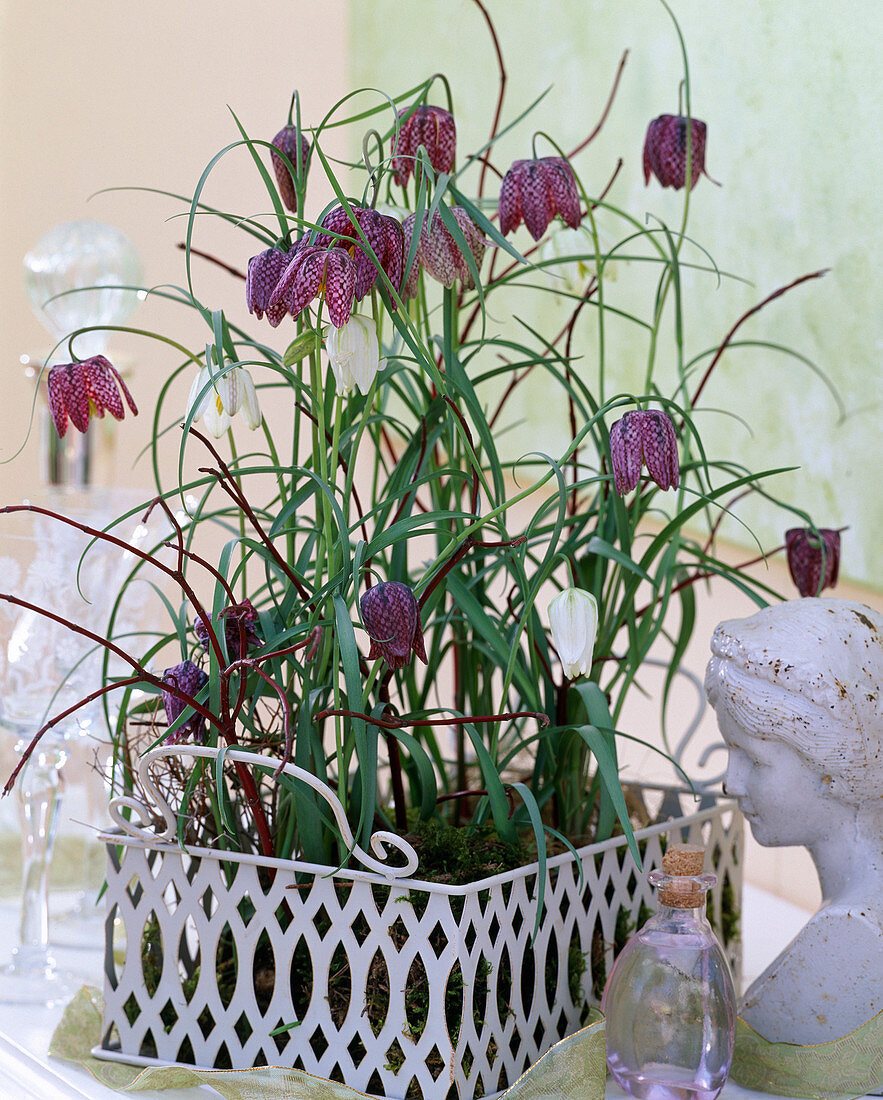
847, 1067
574, 1069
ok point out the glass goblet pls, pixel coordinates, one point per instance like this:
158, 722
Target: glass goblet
56, 575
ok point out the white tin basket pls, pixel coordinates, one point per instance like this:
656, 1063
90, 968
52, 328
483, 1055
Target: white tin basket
484, 1001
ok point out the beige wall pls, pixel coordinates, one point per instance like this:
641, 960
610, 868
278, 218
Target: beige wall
113, 93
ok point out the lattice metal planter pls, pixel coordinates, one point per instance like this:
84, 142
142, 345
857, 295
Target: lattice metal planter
398, 987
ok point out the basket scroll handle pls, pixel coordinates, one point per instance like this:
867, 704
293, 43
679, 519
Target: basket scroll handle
381, 841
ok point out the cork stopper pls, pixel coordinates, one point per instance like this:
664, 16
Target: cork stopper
683, 860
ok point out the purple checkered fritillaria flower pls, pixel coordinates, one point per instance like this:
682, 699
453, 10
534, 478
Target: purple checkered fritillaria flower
644, 437
439, 254
805, 551
409, 286
392, 618
80, 390
383, 233
431, 127
187, 677
665, 151
534, 191
286, 142
314, 270
264, 272
239, 629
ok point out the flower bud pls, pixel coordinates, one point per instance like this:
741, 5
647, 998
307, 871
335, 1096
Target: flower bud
354, 353
239, 629
286, 142
665, 151
187, 677
573, 619
805, 552
392, 618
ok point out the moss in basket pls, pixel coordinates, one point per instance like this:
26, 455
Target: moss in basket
456, 856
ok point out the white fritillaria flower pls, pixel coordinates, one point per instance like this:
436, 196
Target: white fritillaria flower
230, 393
573, 617
354, 353
570, 272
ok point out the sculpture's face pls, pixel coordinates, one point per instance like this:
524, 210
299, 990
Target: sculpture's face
784, 800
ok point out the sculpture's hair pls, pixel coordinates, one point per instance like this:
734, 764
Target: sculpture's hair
808, 673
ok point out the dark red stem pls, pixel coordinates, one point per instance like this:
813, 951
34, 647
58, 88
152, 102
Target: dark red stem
606, 110
213, 259
248, 662
25, 756
755, 309
477, 794
499, 108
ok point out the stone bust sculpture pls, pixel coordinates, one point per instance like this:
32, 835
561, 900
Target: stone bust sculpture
798, 693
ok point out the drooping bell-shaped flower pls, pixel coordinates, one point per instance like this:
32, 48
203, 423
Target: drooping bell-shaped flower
264, 272
534, 191
644, 437
392, 618
806, 551
573, 620
570, 254
439, 253
89, 388
189, 678
383, 233
411, 274
226, 395
286, 142
315, 270
431, 127
354, 353
239, 629
665, 151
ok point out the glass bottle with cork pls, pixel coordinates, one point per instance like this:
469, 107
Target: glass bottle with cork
670, 1004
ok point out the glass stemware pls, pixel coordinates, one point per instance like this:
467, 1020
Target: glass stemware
80, 279
45, 669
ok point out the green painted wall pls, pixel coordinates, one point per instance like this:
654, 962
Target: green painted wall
792, 98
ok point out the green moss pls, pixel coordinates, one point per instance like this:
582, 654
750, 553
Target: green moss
576, 968
457, 856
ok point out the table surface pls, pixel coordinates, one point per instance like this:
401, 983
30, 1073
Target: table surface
27, 1073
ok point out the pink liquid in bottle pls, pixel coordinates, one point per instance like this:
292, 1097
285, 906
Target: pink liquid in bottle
669, 1004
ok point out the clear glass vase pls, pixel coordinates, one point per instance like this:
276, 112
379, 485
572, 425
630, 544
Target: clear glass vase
670, 1004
